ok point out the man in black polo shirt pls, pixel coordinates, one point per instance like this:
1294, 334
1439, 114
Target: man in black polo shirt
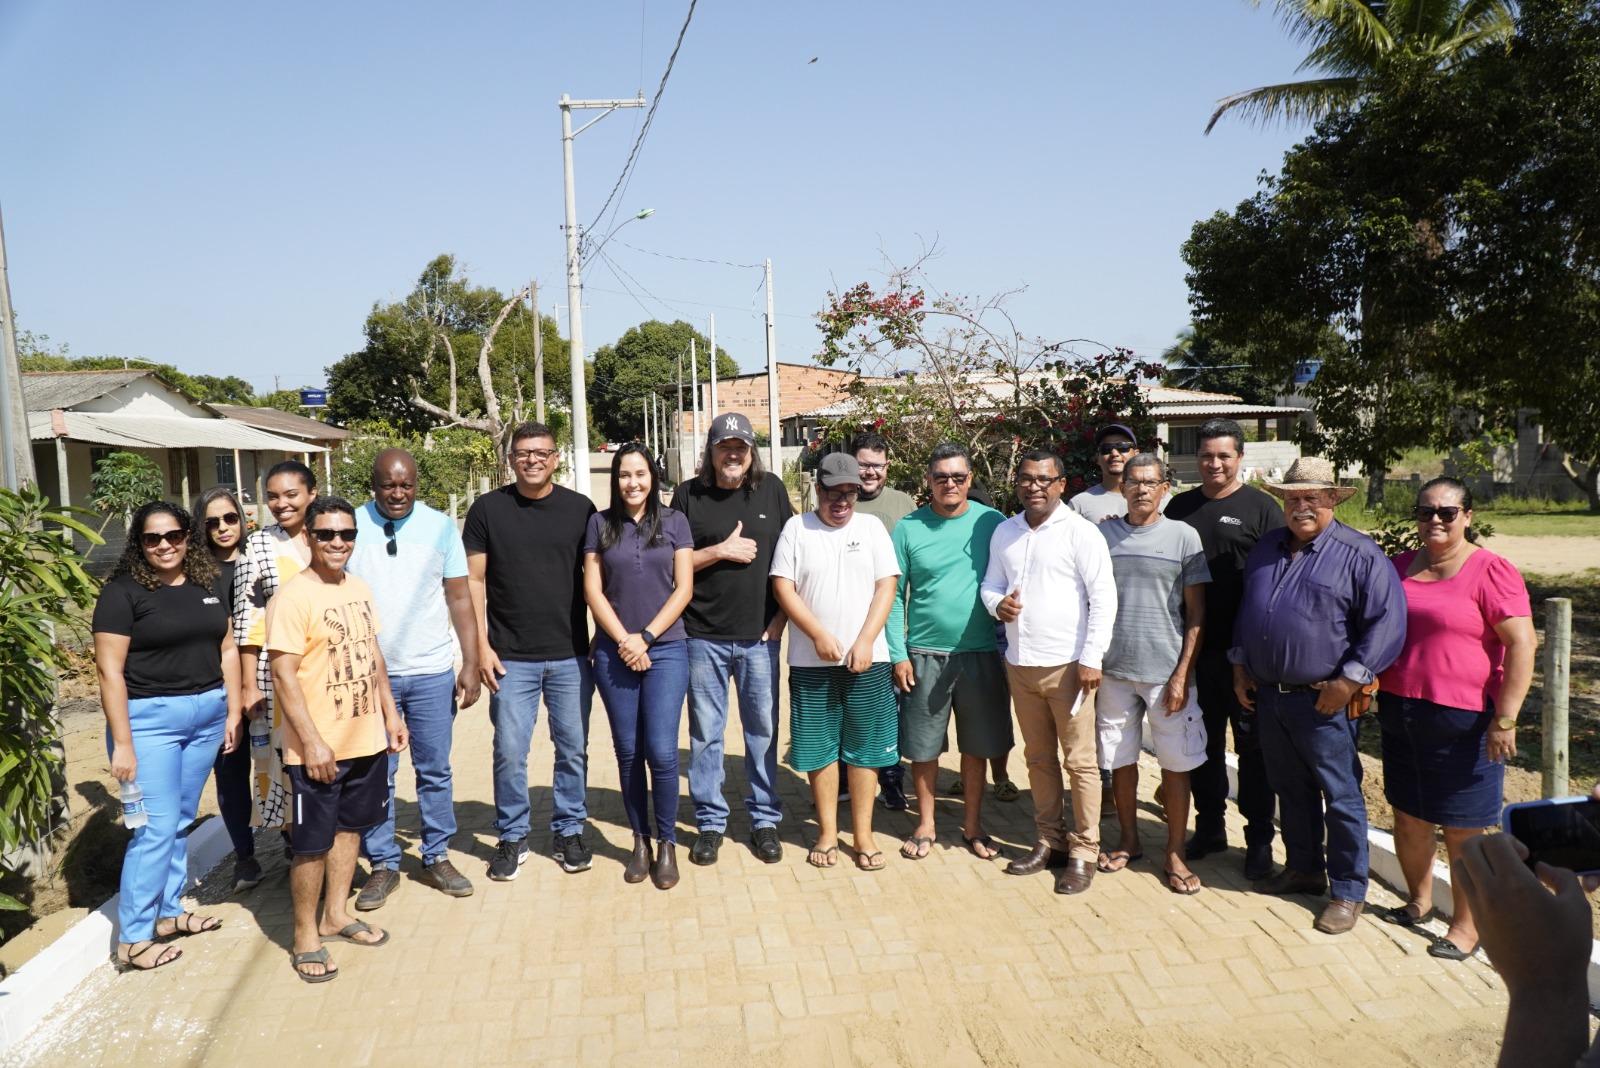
1230, 518
524, 547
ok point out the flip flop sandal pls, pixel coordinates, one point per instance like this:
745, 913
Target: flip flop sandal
920, 847
983, 840
316, 956
187, 923
1445, 949
870, 861
348, 933
830, 857
1006, 791
1401, 916
1187, 885
1106, 860
162, 960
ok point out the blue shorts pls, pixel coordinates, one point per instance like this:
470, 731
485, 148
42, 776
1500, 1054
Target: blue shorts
356, 800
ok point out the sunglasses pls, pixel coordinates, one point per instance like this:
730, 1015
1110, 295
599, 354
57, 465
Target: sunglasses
173, 538
954, 480
1120, 446
1447, 513
215, 521
388, 532
325, 535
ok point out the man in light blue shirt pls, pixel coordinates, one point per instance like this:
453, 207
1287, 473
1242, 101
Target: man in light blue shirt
412, 557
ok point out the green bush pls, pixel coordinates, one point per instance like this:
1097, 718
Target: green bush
43, 591
448, 461
122, 482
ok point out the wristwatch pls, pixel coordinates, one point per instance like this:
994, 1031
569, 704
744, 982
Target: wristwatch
650, 639
1506, 723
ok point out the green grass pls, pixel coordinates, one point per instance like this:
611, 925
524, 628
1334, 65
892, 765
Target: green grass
1519, 516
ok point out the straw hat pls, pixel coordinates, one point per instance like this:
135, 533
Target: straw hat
1310, 473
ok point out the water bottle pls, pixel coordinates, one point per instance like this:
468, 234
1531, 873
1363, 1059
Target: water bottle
260, 742
133, 814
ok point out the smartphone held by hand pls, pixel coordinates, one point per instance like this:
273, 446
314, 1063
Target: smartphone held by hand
1563, 832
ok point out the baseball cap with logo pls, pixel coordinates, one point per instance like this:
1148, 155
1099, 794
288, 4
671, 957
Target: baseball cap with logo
732, 425
839, 469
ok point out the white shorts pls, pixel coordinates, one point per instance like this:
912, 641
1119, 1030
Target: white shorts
1120, 706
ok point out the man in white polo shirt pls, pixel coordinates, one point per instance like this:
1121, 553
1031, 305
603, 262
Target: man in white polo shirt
1050, 582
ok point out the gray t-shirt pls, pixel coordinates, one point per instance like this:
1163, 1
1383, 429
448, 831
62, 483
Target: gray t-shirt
890, 506
1152, 564
1097, 503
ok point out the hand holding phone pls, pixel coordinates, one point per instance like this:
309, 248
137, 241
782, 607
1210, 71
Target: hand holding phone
1563, 832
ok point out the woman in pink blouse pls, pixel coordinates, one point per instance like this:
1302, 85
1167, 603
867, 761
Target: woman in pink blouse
1448, 707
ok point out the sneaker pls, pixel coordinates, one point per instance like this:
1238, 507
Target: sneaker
893, 797
246, 874
572, 853
706, 844
376, 890
443, 877
509, 857
766, 844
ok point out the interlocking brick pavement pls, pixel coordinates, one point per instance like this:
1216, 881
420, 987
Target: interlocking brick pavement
943, 961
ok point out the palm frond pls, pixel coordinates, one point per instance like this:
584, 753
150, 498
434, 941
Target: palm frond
1309, 100
1321, 21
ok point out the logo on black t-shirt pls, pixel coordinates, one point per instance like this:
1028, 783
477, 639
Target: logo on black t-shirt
1231, 520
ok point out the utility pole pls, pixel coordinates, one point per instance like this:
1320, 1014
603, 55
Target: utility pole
712, 410
580, 415
645, 415
694, 389
16, 463
538, 352
677, 421
774, 451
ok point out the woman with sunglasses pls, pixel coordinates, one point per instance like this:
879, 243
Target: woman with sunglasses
169, 685
219, 526
638, 577
1448, 707
271, 556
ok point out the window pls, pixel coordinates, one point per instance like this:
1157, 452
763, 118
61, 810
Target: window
98, 453
225, 471
1184, 441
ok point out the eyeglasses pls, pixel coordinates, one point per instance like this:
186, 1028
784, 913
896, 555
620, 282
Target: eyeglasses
542, 455
1116, 446
229, 518
954, 480
1144, 483
1029, 481
872, 467
327, 534
1447, 513
175, 537
388, 532
840, 494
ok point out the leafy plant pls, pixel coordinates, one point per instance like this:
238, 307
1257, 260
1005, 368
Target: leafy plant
448, 461
123, 481
44, 590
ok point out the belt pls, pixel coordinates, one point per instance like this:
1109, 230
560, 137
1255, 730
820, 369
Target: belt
1281, 688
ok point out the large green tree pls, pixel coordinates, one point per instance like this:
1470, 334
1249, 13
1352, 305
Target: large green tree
642, 361
1354, 46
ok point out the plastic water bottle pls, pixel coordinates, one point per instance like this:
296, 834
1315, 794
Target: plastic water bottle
133, 813
260, 741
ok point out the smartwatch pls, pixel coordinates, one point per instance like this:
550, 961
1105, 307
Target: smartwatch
649, 639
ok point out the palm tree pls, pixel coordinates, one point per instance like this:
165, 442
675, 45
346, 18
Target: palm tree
1353, 43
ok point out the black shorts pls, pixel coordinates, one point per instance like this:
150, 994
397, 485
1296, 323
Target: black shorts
357, 799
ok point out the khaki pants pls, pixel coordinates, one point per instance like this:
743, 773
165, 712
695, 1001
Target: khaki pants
1043, 699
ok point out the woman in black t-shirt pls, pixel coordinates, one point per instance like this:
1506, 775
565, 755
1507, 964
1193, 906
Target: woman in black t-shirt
219, 526
169, 685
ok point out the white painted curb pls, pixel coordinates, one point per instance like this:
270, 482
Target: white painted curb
33, 990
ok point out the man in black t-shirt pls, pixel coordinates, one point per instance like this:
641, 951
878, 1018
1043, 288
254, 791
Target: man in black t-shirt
1230, 518
524, 547
735, 511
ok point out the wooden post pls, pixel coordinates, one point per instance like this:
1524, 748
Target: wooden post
63, 484
1557, 679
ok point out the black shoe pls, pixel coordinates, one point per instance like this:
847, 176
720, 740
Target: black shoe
509, 857
376, 890
1205, 843
246, 874
1257, 860
706, 844
766, 844
572, 853
894, 797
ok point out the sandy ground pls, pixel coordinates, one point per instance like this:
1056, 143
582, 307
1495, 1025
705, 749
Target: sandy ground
1547, 556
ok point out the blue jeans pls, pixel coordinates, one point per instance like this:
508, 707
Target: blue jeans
753, 666
567, 688
428, 705
645, 710
1314, 769
175, 740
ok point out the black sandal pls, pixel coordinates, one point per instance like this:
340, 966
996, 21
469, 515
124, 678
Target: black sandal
187, 923
130, 963
1401, 916
1445, 949
316, 956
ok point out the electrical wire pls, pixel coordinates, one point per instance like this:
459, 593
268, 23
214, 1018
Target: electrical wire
690, 259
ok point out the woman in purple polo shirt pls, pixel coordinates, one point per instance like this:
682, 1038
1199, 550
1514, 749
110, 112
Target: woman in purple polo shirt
638, 576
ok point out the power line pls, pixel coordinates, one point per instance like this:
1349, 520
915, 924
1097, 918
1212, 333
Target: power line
689, 259
644, 130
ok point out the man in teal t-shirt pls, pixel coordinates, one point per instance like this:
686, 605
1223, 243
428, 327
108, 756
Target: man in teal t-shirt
942, 645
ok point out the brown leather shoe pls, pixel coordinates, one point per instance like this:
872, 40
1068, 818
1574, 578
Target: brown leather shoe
1075, 877
1043, 856
639, 864
1289, 881
1339, 916
664, 872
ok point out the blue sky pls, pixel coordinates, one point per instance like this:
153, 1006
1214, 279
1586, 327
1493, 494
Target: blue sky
231, 187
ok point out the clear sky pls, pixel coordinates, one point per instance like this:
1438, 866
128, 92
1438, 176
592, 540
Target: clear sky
230, 187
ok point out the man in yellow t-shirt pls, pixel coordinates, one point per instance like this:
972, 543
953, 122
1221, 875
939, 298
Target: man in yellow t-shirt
340, 723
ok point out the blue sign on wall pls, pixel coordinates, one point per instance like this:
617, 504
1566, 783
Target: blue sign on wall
313, 398
1305, 371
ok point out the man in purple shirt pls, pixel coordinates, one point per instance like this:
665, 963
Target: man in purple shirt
1322, 615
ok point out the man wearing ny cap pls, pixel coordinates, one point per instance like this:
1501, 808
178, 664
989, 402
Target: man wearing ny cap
736, 511
1322, 614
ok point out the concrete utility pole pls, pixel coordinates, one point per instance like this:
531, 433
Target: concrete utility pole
580, 415
774, 435
538, 352
1557, 691
16, 454
713, 410
694, 390
677, 420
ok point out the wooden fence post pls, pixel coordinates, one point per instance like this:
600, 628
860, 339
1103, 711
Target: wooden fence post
1557, 679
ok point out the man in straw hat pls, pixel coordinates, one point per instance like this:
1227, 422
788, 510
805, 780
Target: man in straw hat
1322, 615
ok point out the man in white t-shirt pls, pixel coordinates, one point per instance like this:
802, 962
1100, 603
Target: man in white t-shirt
834, 574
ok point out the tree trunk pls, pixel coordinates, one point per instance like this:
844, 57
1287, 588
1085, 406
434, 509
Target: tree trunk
1586, 478
1375, 480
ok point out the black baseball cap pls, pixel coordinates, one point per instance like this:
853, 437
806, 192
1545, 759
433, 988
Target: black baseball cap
1115, 428
731, 425
839, 469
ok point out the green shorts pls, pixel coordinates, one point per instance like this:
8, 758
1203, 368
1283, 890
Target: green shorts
974, 685
835, 714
